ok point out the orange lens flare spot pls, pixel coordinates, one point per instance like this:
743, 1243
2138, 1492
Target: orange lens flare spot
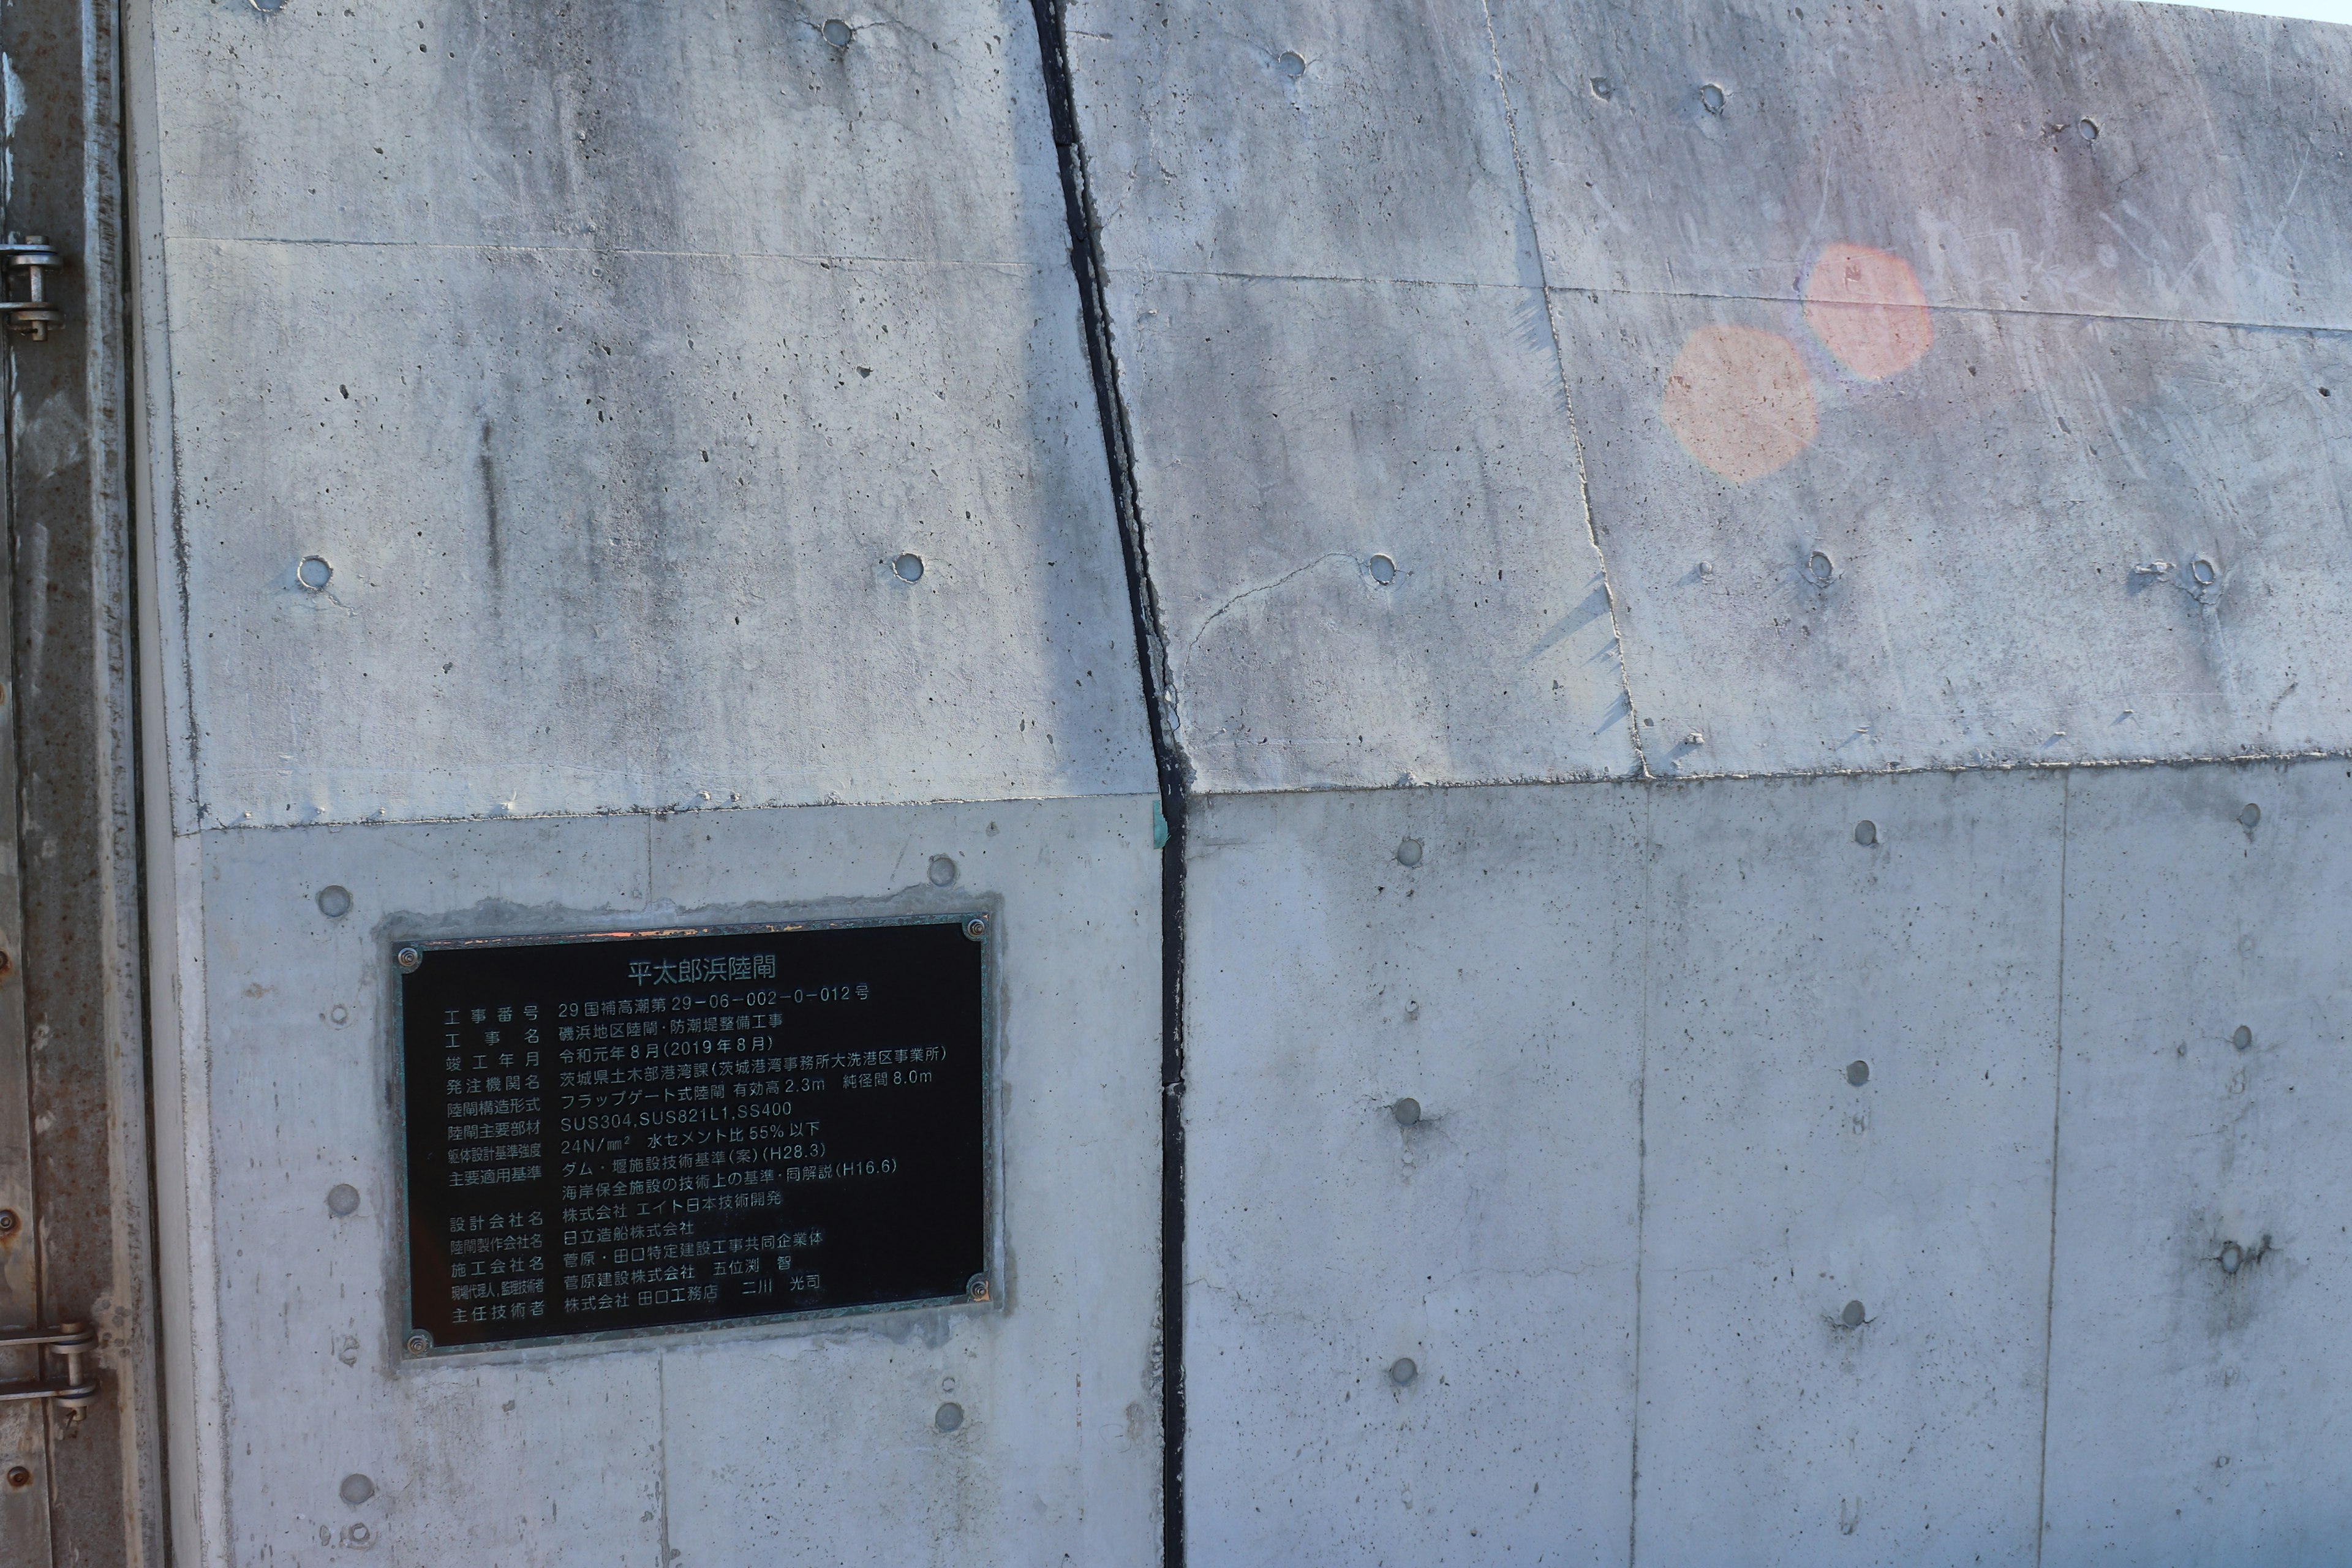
1740, 401
1868, 310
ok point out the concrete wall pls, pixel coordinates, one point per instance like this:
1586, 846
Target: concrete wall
611, 360
1688, 551
1810, 419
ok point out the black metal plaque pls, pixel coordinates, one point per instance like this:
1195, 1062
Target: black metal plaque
622, 1132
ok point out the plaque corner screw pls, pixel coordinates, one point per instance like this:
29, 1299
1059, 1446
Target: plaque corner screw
977, 1288
419, 1342
408, 958
976, 926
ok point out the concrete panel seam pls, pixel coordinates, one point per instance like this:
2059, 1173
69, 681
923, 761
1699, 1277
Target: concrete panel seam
1999, 765
1996, 312
1088, 265
644, 252
1369, 280
1640, 1196
2057, 1117
1559, 364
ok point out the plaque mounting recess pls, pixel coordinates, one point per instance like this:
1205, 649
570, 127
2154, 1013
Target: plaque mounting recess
623, 1133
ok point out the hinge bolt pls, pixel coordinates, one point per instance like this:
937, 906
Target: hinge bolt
33, 315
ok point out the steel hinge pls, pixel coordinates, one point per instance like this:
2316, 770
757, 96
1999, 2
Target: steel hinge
33, 259
71, 1341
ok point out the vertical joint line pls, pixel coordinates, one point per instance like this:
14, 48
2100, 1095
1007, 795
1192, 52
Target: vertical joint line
1567, 400
1641, 1177
2057, 1115
1087, 267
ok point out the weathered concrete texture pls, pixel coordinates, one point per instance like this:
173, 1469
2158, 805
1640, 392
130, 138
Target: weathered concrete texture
1493, 1242
1628, 1016
2104, 159
710, 126
626, 538
611, 395
1305, 138
1634, 1017
1300, 441
2197, 1414
770, 1446
1980, 302
1325, 307
2010, 540
1781, 952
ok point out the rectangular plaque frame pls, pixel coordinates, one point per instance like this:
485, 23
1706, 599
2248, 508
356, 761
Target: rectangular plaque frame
973, 930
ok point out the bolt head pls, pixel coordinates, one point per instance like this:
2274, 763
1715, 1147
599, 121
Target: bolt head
19, 1478
419, 1342
977, 1288
408, 958
976, 926
9, 1222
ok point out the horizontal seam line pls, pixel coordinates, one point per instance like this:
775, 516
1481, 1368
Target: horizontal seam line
1588, 288
821, 259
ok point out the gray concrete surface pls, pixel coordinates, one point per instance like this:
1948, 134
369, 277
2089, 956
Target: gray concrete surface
610, 409
1589, 465
1917, 389
751, 1446
612, 363
2196, 1410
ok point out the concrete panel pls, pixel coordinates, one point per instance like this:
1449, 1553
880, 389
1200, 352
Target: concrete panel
2199, 1414
1296, 440
2010, 538
1491, 1242
709, 127
772, 1446
1299, 138
610, 394
2106, 159
614, 532
1059, 1456
1777, 1191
